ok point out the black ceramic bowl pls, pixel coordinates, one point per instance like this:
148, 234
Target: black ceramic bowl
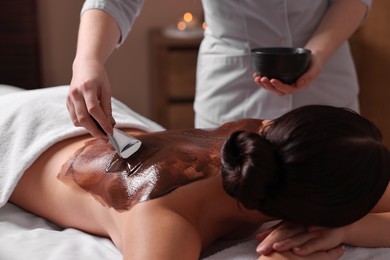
284, 64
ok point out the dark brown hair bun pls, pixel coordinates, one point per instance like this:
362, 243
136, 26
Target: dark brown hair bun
248, 167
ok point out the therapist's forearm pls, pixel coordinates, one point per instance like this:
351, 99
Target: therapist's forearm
340, 21
98, 36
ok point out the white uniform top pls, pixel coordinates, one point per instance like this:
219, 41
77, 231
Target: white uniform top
225, 88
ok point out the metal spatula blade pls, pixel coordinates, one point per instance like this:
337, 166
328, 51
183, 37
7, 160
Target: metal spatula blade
124, 144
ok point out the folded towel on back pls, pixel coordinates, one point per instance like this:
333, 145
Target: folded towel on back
31, 121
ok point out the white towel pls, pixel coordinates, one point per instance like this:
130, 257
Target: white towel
32, 121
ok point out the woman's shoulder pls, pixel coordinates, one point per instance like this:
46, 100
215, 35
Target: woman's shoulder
245, 124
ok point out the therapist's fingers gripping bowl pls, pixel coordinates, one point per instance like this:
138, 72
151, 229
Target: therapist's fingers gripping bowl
282, 63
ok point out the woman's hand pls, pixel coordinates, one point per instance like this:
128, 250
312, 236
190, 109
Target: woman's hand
299, 240
334, 253
277, 234
279, 88
315, 240
90, 95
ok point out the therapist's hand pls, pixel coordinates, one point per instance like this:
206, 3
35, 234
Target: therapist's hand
90, 95
279, 88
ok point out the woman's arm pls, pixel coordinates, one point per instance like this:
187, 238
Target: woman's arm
370, 231
334, 253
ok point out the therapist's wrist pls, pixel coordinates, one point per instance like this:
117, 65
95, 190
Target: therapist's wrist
80, 63
319, 57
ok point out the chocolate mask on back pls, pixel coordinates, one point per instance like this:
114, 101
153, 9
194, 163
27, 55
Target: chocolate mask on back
165, 161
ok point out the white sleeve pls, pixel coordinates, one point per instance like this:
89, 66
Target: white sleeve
366, 2
123, 11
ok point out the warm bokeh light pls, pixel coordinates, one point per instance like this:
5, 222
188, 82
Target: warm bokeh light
204, 26
189, 23
187, 17
181, 25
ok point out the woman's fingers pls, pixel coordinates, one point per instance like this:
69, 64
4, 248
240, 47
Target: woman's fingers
282, 232
265, 245
262, 235
333, 253
294, 242
323, 239
336, 252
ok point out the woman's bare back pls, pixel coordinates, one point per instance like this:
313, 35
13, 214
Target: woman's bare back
86, 167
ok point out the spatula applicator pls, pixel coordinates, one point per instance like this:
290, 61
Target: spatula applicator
124, 144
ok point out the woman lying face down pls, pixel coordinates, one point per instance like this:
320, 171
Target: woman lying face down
322, 159
184, 189
165, 161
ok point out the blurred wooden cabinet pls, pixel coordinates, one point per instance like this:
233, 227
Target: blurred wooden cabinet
371, 51
19, 46
173, 73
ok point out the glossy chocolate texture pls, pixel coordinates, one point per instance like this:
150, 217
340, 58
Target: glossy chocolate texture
165, 161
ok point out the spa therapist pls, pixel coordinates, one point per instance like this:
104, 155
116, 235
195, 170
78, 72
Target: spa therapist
226, 87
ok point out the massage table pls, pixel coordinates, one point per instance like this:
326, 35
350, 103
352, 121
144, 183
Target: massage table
25, 236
